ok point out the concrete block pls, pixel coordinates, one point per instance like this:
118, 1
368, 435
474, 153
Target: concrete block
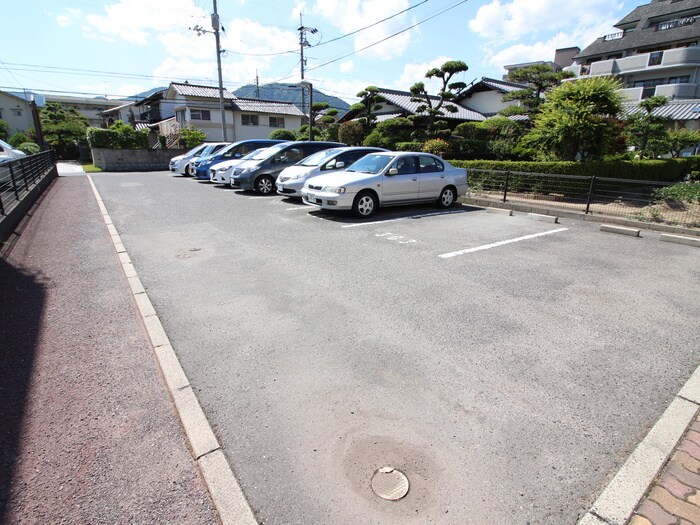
155, 330
544, 218
171, 368
136, 285
144, 304
199, 433
622, 230
680, 239
225, 491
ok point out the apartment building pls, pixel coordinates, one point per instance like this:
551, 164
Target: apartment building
655, 52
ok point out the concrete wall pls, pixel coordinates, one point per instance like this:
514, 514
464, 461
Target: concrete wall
134, 159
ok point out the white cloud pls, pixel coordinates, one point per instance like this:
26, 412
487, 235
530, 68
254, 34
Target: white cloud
137, 20
413, 73
347, 66
502, 20
352, 15
69, 17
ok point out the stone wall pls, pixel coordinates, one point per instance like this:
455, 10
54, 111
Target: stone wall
134, 159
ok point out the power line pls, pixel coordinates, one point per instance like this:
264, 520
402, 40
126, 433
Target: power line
389, 37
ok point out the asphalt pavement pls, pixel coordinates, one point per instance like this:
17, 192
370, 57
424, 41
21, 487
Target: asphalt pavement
506, 399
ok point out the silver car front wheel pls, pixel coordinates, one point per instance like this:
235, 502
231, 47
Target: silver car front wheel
365, 204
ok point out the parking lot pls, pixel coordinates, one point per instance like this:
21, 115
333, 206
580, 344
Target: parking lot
507, 366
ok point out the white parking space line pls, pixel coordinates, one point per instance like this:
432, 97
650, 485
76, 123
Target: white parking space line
298, 208
402, 218
500, 243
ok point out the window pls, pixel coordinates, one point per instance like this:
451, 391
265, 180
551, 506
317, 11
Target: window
276, 122
430, 165
655, 58
406, 165
249, 120
200, 114
679, 80
180, 115
16, 112
649, 86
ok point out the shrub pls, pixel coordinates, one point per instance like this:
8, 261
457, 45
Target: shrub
283, 134
436, 146
101, 138
118, 136
190, 137
409, 146
29, 148
4, 130
683, 192
17, 139
351, 133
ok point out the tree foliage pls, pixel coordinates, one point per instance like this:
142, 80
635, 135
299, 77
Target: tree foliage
578, 121
648, 132
351, 133
435, 109
283, 134
680, 139
190, 137
63, 128
390, 132
370, 103
540, 79
4, 130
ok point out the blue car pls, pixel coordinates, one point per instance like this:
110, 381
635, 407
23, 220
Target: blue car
200, 167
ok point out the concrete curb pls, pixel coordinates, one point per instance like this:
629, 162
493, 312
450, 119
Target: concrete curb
679, 239
226, 493
620, 230
620, 498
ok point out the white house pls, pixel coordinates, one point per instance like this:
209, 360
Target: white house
15, 111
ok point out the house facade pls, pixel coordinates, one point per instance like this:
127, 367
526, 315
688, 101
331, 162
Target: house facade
16, 112
90, 107
199, 107
655, 52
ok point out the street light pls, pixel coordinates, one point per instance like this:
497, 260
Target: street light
310, 87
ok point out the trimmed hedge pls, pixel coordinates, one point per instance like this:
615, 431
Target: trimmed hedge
665, 170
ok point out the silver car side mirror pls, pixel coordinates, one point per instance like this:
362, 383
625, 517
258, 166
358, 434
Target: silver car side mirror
393, 171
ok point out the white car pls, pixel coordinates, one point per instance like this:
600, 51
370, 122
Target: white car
387, 179
8, 153
181, 163
291, 180
221, 172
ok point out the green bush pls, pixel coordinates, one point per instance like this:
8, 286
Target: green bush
666, 170
283, 134
29, 148
409, 146
436, 146
17, 139
101, 138
683, 192
190, 138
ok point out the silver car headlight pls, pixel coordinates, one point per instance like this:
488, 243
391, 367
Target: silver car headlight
297, 176
333, 189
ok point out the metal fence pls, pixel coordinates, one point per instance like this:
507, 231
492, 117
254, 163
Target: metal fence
19, 177
629, 199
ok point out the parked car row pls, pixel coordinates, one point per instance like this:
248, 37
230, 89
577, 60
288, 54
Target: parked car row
327, 175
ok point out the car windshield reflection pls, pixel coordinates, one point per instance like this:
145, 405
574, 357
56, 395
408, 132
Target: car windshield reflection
371, 164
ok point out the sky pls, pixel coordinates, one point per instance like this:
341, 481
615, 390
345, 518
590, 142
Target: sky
117, 48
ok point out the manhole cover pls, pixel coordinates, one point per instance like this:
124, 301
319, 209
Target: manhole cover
389, 483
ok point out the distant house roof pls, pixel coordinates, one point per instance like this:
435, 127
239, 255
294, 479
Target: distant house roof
192, 90
491, 84
688, 109
27, 96
403, 100
266, 106
657, 8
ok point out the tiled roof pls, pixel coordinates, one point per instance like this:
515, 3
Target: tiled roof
403, 100
658, 8
267, 106
640, 39
488, 84
688, 109
192, 90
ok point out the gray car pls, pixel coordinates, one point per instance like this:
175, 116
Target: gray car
260, 172
387, 179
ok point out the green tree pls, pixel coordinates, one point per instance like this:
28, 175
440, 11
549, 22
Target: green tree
17, 139
63, 129
283, 134
4, 130
578, 121
351, 133
190, 137
681, 138
648, 132
389, 132
434, 109
540, 79
370, 103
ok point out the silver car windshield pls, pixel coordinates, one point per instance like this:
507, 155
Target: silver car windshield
371, 164
318, 158
252, 154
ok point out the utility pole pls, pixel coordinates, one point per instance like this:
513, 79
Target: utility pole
257, 85
302, 44
216, 26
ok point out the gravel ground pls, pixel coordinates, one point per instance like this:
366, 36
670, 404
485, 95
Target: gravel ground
87, 432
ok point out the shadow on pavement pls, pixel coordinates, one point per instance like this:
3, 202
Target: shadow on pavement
22, 299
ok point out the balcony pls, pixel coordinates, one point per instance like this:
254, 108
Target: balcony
669, 59
672, 91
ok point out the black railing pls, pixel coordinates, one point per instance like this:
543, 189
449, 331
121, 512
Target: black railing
630, 199
19, 177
